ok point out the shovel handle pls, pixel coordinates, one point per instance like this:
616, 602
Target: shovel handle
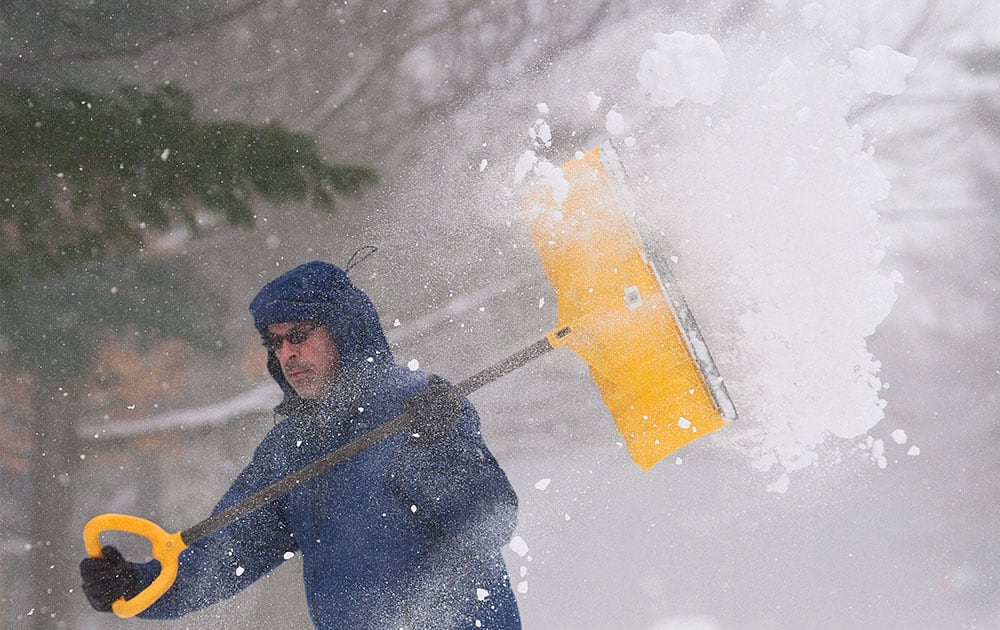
166, 549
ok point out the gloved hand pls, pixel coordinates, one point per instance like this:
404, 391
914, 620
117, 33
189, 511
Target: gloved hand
109, 578
433, 412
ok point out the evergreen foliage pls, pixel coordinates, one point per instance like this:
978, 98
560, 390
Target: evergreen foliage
85, 176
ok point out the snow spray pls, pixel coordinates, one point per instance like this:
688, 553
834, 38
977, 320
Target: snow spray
750, 180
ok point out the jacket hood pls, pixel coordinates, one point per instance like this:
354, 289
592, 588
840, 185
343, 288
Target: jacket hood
320, 291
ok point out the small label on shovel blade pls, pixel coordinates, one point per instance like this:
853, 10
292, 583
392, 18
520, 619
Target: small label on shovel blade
632, 297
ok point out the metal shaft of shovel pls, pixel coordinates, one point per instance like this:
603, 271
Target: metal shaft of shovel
358, 445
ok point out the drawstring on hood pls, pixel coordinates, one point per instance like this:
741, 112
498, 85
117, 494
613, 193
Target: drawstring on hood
323, 292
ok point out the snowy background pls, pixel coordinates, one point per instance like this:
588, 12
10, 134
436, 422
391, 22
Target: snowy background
808, 171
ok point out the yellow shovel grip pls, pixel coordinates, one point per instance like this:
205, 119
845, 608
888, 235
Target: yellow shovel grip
166, 549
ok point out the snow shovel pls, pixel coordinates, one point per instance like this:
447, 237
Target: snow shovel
626, 316
614, 310
167, 547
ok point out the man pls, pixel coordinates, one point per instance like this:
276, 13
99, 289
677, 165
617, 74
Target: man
405, 535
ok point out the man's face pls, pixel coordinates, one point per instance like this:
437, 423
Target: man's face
309, 359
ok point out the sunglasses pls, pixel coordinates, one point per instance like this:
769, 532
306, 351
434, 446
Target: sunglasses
298, 334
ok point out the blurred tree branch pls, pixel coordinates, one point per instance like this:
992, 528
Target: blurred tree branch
985, 111
60, 31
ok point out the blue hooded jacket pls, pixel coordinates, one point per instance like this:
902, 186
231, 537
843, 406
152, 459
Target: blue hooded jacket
403, 535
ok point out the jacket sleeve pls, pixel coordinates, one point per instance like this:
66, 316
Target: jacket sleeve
456, 486
221, 564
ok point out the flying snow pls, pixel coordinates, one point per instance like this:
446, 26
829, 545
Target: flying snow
881, 70
518, 546
750, 180
812, 15
552, 174
615, 123
593, 101
683, 66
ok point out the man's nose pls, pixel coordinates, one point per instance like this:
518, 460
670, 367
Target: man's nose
285, 352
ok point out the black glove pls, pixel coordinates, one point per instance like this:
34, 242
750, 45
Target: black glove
433, 412
109, 578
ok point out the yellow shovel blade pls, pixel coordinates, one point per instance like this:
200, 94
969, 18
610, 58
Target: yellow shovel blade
621, 318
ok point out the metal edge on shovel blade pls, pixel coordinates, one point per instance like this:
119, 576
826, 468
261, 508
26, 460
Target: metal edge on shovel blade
668, 284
